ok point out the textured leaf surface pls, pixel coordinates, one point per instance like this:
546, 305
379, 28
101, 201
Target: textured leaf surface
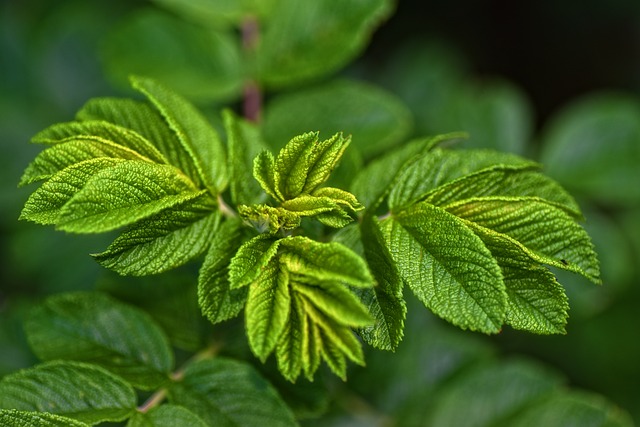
252, 256
163, 241
93, 327
216, 298
166, 415
293, 164
15, 418
224, 393
80, 391
447, 266
197, 137
374, 118
123, 194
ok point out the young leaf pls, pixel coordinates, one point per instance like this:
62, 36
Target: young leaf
447, 266
251, 258
289, 346
163, 241
92, 327
216, 298
123, 194
293, 163
264, 171
196, 136
166, 415
15, 418
84, 392
229, 393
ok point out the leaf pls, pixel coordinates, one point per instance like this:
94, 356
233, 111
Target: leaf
248, 262
267, 308
447, 267
92, 327
196, 136
591, 147
440, 166
44, 204
215, 297
548, 232
124, 194
373, 183
384, 301
166, 415
15, 418
305, 41
243, 144
151, 43
264, 173
292, 165
219, 13
225, 392
375, 118
164, 241
84, 392
289, 346
323, 158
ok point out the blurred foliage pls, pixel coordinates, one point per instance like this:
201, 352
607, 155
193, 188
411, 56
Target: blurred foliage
56, 55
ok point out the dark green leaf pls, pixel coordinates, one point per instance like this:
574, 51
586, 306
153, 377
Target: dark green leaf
80, 391
164, 241
92, 327
228, 393
166, 415
447, 266
15, 418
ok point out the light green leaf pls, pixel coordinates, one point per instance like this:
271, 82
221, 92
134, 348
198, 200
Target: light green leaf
306, 205
92, 327
267, 308
72, 151
293, 164
384, 301
164, 241
375, 118
219, 13
447, 267
215, 297
250, 259
441, 166
264, 172
123, 194
227, 393
199, 62
289, 346
139, 117
303, 41
244, 143
198, 139
500, 392
548, 232
536, 302
343, 198
84, 392
323, 159
267, 219
592, 148
373, 183
15, 418
44, 204
166, 415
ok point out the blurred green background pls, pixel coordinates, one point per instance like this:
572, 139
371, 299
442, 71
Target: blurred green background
555, 81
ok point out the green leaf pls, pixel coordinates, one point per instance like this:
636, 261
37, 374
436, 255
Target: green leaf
306, 205
15, 418
92, 327
441, 166
216, 298
123, 194
80, 391
44, 205
264, 173
139, 117
196, 136
219, 13
591, 147
166, 415
292, 165
225, 392
248, 262
305, 41
164, 241
384, 301
289, 348
244, 143
323, 159
373, 183
375, 118
267, 308
447, 267
536, 301
500, 392
151, 43
550, 234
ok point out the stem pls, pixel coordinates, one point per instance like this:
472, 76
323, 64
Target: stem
252, 106
225, 208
